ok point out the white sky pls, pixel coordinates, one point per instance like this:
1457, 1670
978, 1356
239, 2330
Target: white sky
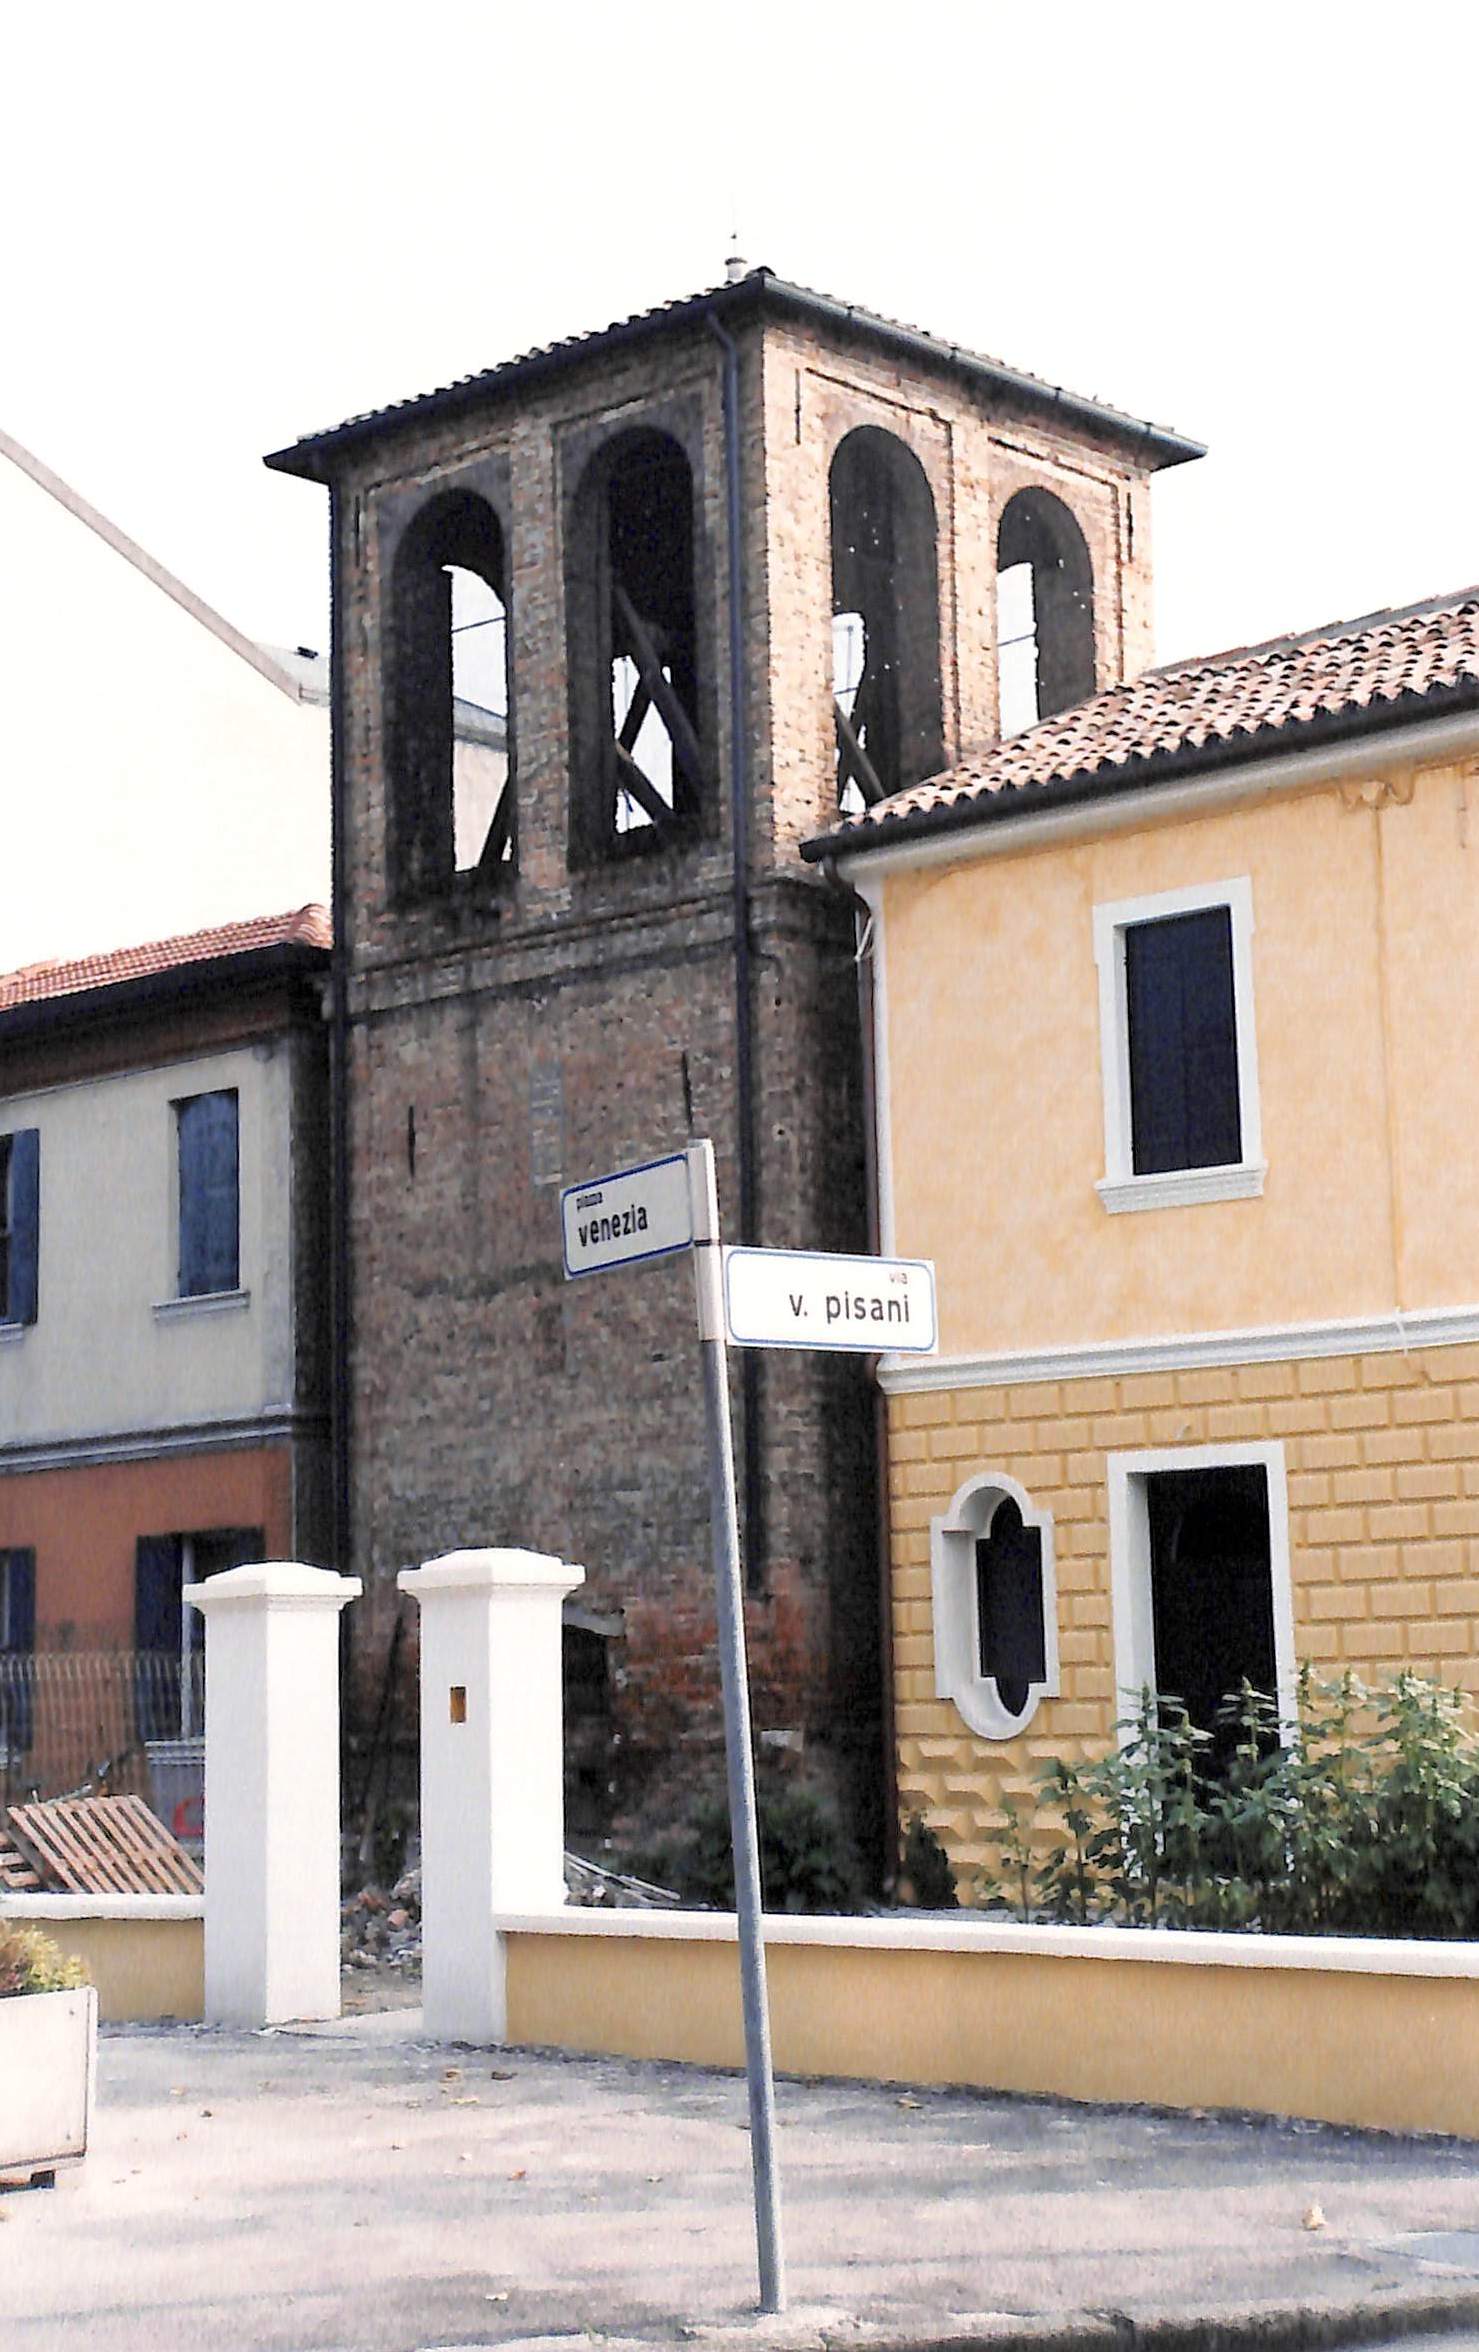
225, 228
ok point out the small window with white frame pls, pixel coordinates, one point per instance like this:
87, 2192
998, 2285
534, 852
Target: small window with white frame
995, 1605
1178, 1050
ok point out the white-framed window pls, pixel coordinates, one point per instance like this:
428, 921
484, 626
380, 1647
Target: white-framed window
995, 1605
1199, 1576
1178, 1048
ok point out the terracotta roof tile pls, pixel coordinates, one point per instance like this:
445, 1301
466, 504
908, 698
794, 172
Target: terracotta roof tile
35, 983
1250, 703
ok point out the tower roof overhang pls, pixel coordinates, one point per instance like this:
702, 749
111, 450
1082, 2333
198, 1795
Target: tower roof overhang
317, 458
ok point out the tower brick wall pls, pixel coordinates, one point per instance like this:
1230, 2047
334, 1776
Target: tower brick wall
506, 1039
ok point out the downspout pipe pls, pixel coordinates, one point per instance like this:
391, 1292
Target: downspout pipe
862, 915
339, 1386
739, 828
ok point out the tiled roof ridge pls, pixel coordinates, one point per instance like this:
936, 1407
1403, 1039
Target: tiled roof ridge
305, 926
1260, 700
1323, 633
758, 280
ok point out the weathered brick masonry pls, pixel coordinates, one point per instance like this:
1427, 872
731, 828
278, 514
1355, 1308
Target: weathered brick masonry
526, 1031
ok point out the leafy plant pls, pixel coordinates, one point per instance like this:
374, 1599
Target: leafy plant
31, 1963
807, 1862
926, 1866
1360, 1817
1066, 1880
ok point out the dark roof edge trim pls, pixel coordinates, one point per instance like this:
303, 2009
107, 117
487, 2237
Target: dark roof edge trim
1011, 801
311, 458
180, 986
1172, 448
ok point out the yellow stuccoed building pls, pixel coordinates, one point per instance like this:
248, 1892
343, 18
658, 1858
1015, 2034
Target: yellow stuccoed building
1173, 1006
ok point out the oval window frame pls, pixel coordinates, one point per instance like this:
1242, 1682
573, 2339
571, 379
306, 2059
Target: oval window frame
953, 1539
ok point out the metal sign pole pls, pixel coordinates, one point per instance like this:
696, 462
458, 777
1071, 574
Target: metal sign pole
724, 1518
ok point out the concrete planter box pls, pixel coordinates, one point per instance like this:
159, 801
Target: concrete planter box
48, 2061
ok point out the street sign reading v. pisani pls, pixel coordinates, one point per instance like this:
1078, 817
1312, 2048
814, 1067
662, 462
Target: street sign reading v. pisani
812, 1299
635, 1213
766, 1298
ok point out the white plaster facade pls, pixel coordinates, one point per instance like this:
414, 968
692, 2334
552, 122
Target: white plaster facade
112, 1350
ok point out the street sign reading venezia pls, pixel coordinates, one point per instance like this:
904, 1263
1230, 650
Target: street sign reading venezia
812, 1299
634, 1214
758, 1298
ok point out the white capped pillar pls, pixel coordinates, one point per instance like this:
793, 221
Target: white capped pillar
272, 1791
492, 1771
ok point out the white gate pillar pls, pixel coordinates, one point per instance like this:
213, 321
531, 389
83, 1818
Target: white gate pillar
272, 1791
492, 1771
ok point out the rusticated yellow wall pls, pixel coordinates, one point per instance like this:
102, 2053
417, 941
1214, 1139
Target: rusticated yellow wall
1382, 1461
1365, 969
1346, 2046
1365, 976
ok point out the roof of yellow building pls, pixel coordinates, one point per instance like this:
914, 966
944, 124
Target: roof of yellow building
1289, 695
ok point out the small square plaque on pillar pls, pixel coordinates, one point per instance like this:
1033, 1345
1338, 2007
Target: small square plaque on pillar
492, 1771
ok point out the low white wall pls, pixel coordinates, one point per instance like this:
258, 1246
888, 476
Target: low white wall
954, 1932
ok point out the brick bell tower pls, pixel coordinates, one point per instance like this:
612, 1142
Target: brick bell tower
616, 625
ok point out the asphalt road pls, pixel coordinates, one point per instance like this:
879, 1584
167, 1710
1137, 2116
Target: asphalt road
364, 2192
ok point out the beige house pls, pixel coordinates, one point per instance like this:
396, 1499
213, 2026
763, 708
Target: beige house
164, 1324
1175, 1040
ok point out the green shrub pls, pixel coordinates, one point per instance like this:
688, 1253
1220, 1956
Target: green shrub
807, 1862
31, 1963
927, 1875
1365, 1821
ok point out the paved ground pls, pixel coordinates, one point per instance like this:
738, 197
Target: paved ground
361, 2191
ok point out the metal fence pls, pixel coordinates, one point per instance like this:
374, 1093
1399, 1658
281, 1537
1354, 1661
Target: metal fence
96, 1721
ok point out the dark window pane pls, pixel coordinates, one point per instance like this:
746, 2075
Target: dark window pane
18, 1596
1009, 1610
20, 1224
1183, 1043
209, 1194
157, 1582
225, 1547
17, 1645
1211, 1590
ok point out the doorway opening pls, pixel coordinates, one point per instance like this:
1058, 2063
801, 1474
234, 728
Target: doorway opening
1200, 1565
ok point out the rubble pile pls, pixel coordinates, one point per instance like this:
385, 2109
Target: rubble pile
592, 1884
380, 1928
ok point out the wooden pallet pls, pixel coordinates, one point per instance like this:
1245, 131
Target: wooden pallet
16, 1875
101, 1846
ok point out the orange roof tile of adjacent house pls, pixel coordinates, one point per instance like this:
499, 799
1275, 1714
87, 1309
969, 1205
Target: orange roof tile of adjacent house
36, 983
1259, 701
